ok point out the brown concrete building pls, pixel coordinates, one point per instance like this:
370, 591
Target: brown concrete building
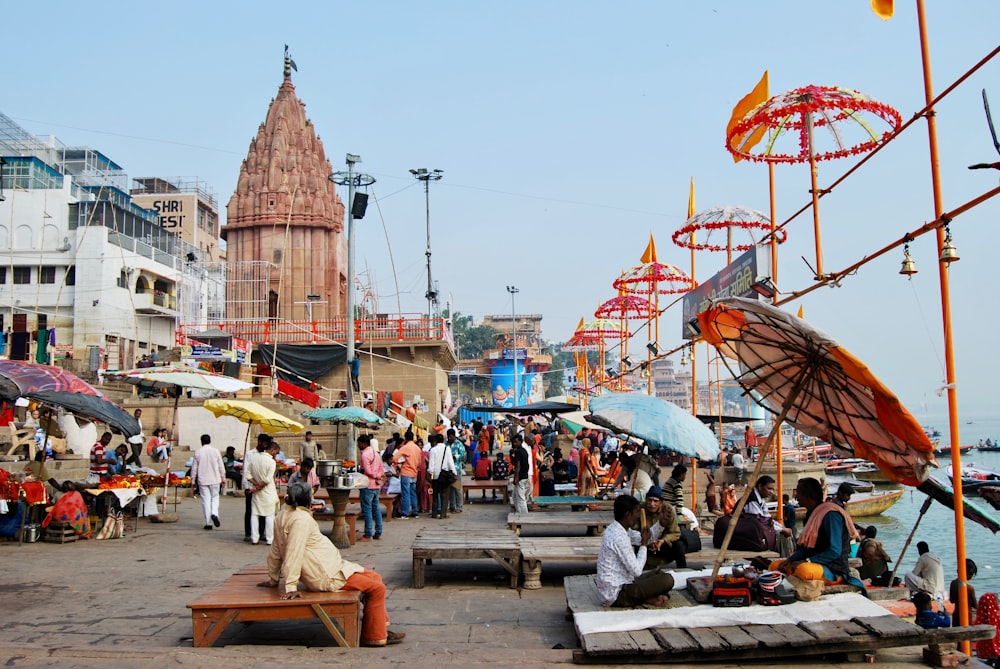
284, 232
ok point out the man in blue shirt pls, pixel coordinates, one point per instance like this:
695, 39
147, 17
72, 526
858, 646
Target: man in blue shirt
458, 454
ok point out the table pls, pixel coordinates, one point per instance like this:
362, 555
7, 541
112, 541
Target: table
338, 502
475, 484
499, 545
594, 521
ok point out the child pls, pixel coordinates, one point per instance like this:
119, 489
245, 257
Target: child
926, 617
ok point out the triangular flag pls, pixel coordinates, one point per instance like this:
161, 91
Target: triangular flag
883, 9
580, 326
757, 96
649, 255
691, 200
800, 311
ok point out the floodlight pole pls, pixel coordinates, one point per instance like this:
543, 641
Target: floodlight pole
513, 338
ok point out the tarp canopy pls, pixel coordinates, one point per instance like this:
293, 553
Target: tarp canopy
295, 362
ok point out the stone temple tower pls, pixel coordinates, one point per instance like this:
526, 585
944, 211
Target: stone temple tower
284, 232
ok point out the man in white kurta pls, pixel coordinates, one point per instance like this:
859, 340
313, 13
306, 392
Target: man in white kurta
210, 472
264, 502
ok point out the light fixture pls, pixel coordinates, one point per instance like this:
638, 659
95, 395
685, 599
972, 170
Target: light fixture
312, 297
611, 372
627, 362
949, 253
909, 267
644, 370
693, 327
653, 348
765, 287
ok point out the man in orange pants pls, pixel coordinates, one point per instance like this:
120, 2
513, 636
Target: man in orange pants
311, 561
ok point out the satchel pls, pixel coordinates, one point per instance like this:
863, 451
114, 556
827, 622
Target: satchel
546, 475
447, 477
691, 539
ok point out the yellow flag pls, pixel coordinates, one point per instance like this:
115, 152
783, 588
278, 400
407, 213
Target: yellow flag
883, 9
800, 311
758, 95
691, 200
649, 255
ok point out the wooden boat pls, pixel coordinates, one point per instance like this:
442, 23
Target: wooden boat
973, 477
941, 449
862, 504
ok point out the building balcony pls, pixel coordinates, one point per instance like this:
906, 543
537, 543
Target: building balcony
155, 303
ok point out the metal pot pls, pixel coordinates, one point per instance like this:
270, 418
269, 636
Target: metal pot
31, 533
326, 468
344, 481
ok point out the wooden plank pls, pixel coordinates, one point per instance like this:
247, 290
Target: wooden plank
645, 642
794, 636
736, 637
770, 636
331, 626
609, 643
825, 631
708, 639
888, 626
581, 594
674, 640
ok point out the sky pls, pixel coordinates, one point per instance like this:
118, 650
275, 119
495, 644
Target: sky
568, 132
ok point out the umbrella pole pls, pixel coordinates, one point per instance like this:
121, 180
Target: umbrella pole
899, 561
813, 173
756, 472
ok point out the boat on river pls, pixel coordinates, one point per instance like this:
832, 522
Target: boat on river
941, 449
862, 504
973, 477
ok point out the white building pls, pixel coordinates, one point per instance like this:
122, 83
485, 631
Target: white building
85, 261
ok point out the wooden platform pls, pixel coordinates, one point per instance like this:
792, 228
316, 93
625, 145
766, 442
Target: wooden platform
574, 502
240, 599
536, 550
749, 642
594, 521
470, 484
499, 545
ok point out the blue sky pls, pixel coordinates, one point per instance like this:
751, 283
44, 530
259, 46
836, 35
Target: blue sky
567, 131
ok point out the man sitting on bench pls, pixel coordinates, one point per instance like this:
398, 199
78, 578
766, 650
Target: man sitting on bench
620, 579
307, 558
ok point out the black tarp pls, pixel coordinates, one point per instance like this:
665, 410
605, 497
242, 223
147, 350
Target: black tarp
296, 362
527, 409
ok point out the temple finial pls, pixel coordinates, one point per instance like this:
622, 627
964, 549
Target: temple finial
289, 64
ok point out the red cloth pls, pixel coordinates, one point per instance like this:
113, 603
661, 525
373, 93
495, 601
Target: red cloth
70, 509
483, 467
988, 613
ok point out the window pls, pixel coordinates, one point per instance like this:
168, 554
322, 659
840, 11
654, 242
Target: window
71, 275
47, 274
3, 275
43, 322
123, 280
22, 275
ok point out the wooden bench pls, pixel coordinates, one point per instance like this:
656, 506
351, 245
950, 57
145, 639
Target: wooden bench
350, 517
535, 550
240, 599
734, 644
499, 545
594, 521
469, 484
574, 502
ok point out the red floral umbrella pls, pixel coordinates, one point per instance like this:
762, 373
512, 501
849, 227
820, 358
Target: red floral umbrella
713, 222
653, 278
849, 117
629, 307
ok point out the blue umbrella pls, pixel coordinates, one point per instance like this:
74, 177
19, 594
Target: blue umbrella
657, 422
352, 415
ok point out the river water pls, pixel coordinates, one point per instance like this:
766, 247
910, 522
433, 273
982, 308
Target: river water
937, 527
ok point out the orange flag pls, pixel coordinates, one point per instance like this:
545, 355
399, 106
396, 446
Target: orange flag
758, 95
800, 312
649, 255
691, 200
883, 9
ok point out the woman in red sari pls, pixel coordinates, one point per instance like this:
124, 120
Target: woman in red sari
71, 509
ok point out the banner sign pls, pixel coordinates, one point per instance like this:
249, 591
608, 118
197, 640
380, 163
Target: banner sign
735, 280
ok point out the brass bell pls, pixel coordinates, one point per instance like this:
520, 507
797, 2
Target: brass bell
948, 252
909, 267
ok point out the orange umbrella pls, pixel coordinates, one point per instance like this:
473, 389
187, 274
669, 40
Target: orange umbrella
821, 388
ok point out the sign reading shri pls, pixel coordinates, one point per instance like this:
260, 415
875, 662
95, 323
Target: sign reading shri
734, 280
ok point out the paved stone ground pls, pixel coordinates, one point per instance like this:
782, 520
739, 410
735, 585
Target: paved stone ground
122, 603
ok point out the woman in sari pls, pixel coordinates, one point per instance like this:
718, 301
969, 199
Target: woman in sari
590, 468
70, 509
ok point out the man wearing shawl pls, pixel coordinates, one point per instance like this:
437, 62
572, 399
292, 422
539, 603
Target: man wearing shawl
824, 543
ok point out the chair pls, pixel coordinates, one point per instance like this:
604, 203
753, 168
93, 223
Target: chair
22, 437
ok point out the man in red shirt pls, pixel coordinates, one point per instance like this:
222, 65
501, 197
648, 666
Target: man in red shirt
99, 466
407, 458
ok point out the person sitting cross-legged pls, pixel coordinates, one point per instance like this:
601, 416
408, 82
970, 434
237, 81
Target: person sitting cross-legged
307, 559
620, 579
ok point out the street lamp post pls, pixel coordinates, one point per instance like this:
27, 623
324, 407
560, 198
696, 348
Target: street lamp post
513, 339
352, 180
427, 176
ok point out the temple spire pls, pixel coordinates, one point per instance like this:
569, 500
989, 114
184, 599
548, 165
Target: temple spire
289, 64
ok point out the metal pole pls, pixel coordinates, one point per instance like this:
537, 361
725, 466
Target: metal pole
513, 339
427, 176
351, 180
